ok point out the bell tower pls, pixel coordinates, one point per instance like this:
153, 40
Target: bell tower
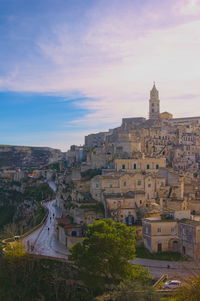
154, 104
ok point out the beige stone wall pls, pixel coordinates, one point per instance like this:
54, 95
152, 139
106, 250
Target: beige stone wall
194, 205
141, 164
164, 241
159, 232
61, 235
176, 204
123, 183
72, 240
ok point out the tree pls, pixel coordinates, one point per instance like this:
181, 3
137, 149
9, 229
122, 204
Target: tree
15, 249
190, 290
134, 290
103, 258
32, 278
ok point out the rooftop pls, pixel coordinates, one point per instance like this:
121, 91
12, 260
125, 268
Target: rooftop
190, 222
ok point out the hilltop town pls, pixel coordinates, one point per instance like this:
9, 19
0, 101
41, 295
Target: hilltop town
144, 173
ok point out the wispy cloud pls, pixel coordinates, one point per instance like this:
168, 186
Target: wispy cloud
108, 61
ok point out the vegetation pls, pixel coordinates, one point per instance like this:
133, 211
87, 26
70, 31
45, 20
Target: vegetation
98, 207
23, 207
6, 214
129, 291
142, 252
39, 215
33, 279
102, 260
190, 290
90, 173
38, 193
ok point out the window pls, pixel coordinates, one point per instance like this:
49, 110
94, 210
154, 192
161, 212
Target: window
157, 166
139, 182
124, 183
134, 166
148, 166
97, 185
110, 185
159, 230
123, 166
149, 185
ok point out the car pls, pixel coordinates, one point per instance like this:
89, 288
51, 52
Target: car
172, 284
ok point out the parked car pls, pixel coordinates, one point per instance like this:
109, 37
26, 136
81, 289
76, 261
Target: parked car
172, 284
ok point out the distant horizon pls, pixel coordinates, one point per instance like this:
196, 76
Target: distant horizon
78, 67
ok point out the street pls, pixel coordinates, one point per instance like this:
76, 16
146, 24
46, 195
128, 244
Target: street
43, 241
174, 269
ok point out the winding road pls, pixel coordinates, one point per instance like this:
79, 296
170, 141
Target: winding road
43, 241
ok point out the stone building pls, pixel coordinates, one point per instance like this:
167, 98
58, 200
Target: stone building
189, 238
147, 164
177, 234
119, 183
159, 235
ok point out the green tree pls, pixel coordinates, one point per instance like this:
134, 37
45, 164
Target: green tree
190, 290
27, 278
103, 258
15, 249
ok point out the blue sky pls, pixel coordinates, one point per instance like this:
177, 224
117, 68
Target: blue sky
69, 68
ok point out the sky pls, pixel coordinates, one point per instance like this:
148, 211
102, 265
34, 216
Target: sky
69, 68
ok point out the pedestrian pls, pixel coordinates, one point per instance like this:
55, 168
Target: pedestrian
48, 229
168, 266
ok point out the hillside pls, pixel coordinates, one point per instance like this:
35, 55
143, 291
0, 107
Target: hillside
28, 157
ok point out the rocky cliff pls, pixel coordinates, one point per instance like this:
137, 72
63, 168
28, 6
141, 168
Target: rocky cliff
28, 157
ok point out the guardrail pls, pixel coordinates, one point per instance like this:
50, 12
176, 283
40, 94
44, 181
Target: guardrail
163, 278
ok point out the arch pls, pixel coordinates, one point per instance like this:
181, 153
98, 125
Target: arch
174, 245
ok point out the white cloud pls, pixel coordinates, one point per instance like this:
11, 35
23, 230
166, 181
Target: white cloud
190, 7
114, 62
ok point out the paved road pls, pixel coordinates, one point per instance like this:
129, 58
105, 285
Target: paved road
44, 241
52, 185
174, 269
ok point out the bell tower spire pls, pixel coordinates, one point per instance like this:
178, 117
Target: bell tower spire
154, 103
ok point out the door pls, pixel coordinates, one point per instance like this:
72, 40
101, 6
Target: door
159, 247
